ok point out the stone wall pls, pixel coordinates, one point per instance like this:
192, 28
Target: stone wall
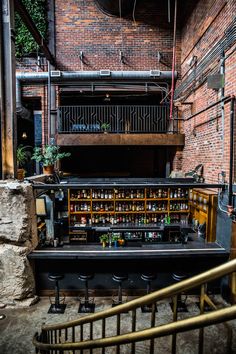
18, 236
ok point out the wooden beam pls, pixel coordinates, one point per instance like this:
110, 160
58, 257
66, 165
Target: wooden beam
120, 139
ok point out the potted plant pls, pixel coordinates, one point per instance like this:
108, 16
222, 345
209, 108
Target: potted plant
22, 156
105, 127
104, 239
115, 239
48, 155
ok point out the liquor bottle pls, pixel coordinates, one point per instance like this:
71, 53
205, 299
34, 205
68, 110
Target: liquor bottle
72, 208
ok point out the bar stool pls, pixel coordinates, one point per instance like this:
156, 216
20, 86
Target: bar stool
148, 278
119, 278
86, 305
56, 307
181, 306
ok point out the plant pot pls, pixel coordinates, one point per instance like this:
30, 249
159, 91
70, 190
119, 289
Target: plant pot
48, 170
20, 174
103, 244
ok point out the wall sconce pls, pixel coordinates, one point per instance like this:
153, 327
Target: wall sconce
107, 97
24, 135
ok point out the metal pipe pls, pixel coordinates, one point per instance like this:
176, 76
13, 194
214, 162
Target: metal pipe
96, 75
225, 99
49, 105
173, 63
20, 109
231, 151
222, 106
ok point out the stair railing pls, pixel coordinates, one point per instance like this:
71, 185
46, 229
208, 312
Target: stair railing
86, 333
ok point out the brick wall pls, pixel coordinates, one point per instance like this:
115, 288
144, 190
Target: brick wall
81, 26
205, 140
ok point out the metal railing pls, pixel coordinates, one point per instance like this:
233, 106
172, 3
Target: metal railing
77, 335
115, 119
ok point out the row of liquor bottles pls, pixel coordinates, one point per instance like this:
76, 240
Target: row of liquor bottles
126, 206
77, 220
151, 193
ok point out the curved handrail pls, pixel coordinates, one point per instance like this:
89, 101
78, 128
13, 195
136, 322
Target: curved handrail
170, 291
188, 324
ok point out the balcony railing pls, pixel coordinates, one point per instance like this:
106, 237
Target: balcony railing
115, 119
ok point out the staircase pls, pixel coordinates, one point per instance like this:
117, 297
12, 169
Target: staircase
94, 333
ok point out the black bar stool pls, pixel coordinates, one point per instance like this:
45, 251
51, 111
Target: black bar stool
181, 306
56, 307
86, 305
119, 278
148, 278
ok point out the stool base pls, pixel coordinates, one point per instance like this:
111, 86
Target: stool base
86, 307
148, 308
181, 306
57, 309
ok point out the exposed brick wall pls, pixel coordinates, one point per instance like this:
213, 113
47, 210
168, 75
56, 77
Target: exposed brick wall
207, 143
81, 26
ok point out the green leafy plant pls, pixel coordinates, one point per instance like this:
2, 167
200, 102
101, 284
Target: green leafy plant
49, 154
24, 41
23, 155
104, 238
115, 238
105, 127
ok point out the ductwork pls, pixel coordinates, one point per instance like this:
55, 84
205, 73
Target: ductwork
20, 110
60, 77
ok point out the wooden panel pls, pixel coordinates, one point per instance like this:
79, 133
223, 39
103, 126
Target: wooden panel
120, 139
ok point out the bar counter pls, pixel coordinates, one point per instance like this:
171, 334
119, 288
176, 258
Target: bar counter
196, 247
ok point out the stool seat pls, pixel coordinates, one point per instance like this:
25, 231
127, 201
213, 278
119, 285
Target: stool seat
119, 277
179, 276
85, 276
55, 276
148, 276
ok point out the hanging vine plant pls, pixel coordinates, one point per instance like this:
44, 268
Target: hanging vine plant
25, 43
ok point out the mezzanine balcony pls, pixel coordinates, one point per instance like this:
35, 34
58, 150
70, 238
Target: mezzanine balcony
126, 125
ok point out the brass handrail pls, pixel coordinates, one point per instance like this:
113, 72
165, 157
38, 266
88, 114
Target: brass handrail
188, 324
170, 291
50, 339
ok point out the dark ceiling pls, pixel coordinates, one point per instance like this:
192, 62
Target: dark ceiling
152, 12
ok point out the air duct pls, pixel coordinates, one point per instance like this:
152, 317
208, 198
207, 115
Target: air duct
94, 75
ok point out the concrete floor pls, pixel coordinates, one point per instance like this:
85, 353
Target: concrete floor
20, 324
